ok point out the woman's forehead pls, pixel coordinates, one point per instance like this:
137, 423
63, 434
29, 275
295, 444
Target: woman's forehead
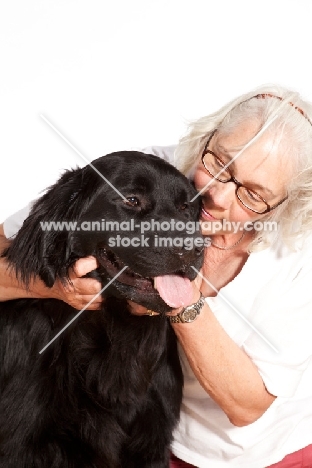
236, 137
265, 159
269, 144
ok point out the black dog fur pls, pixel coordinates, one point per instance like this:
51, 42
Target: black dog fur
107, 392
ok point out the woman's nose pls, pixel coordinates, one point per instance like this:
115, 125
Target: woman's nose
222, 194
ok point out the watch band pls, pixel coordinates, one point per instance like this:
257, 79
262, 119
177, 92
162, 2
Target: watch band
189, 313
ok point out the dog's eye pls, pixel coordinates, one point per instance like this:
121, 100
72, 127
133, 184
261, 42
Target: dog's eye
184, 206
132, 201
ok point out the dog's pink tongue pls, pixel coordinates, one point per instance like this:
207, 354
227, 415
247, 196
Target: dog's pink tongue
174, 290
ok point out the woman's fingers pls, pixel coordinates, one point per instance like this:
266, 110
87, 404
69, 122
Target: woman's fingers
84, 266
79, 291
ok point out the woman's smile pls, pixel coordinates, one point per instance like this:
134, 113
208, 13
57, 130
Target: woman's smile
206, 215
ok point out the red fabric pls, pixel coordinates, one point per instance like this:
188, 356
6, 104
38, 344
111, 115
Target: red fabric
300, 459
177, 463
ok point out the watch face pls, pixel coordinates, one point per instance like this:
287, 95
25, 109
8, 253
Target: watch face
189, 315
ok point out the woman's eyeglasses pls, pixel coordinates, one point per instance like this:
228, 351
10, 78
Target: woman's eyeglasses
248, 197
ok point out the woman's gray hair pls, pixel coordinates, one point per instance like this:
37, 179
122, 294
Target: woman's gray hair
291, 128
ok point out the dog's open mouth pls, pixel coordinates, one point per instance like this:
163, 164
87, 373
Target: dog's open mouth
175, 289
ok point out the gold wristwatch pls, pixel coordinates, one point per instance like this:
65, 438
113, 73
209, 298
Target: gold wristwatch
190, 313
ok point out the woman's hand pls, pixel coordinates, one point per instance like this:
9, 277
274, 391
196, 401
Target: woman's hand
79, 291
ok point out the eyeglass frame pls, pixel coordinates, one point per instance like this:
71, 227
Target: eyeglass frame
236, 182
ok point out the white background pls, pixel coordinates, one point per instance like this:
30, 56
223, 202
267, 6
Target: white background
117, 74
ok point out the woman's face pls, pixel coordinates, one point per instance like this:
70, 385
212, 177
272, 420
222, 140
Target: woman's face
261, 167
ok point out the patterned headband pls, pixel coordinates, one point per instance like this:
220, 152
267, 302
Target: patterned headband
265, 95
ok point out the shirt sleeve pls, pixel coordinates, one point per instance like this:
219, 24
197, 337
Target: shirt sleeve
286, 354
163, 152
13, 223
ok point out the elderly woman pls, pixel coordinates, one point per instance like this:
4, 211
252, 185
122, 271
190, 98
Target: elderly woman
247, 351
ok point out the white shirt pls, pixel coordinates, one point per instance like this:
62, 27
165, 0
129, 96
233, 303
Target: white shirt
267, 311
273, 292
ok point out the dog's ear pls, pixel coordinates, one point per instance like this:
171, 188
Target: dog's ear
39, 248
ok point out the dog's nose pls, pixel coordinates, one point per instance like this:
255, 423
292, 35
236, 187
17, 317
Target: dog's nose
199, 250
180, 251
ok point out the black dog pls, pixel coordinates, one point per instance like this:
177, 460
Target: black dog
107, 392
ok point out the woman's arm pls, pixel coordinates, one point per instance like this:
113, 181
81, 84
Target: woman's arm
77, 293
223, 369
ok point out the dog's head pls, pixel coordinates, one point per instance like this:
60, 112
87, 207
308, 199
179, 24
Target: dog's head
130, 210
